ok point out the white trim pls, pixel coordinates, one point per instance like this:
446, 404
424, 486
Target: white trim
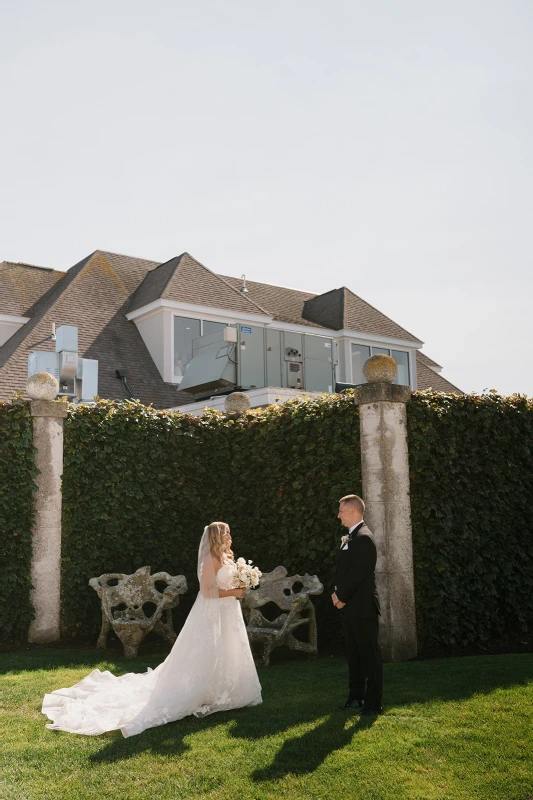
168, 345
228, 315
293, 328
373, 338
145, 316
14, 320
266, 396
378, 340
218, 314
413, 372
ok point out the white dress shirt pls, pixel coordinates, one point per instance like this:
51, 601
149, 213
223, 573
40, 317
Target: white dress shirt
355, 526
350, 530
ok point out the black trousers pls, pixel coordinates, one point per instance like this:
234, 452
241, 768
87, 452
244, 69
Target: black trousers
365, 664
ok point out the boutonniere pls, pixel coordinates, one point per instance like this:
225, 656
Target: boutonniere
346, 538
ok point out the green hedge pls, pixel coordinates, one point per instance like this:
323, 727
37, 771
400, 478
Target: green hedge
290, 466
139, 486
17, 473
472, 493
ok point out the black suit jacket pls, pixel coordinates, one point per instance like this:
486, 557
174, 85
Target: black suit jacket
355, 576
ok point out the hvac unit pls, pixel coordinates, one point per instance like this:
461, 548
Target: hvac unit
77, 377
43, 361
252, 357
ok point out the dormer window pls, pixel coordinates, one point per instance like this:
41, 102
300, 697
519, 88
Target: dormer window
360, 353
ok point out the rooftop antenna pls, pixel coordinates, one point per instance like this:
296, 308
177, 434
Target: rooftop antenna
244, 290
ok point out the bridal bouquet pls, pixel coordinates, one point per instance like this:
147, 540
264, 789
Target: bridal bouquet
246, 575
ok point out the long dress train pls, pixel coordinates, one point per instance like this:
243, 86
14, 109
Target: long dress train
210, 668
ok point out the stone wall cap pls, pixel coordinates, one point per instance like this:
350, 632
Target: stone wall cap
381, 392
48, 408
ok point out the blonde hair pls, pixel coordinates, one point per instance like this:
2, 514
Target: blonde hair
216, 531
354, 501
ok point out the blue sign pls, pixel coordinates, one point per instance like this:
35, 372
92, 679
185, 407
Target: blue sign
245, 329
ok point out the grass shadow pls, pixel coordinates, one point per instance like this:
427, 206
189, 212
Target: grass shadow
301, 755
37, 659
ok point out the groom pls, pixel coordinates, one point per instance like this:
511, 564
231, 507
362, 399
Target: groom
356, 596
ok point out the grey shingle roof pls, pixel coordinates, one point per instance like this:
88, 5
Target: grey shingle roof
185, 280
21, 285
92, 295
326, 309
96, 294
361, 316
153, 285
427, 360
283, 304
428, 379
337, 309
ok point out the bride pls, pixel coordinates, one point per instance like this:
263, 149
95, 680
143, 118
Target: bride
210, 667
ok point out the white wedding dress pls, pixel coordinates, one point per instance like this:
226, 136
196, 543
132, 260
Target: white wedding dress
210, 668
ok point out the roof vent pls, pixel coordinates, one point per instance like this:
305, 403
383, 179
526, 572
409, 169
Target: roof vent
244, 290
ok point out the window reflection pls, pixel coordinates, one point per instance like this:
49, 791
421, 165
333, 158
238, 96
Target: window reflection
211, 327
185, 330
402, 359
360, 353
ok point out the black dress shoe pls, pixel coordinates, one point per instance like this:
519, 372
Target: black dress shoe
352, 705
371, 712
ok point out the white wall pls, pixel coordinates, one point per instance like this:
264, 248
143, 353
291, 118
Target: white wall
152, 330
7, 329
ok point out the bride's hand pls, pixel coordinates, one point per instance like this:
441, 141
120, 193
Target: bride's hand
239, 593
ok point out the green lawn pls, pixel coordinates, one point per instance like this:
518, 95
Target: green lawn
455, 728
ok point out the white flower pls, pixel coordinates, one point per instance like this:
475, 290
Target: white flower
245, 574
345, 539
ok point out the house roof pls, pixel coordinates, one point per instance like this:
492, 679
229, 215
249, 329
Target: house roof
336, 310
428, 379
92, 295
185, 280
428, 361
96, 294
21, 285
285, 305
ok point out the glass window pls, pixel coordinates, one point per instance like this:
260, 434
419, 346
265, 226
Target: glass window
211, 327
185, 330
402, 359
360, 353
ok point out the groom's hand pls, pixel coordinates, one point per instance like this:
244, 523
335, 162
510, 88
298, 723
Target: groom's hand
336, 602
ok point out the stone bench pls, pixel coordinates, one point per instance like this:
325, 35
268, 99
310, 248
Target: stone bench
292, 597
127, 601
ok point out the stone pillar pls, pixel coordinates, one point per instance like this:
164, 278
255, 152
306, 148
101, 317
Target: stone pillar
48, 416
385, 471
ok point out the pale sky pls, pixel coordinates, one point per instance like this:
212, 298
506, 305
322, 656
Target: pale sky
383, 146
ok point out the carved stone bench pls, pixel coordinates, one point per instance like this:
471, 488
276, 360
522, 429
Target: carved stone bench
292, 597
133, 605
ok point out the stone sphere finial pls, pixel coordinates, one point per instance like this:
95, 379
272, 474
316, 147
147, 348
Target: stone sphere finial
380, 369
237, 403
42, 386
